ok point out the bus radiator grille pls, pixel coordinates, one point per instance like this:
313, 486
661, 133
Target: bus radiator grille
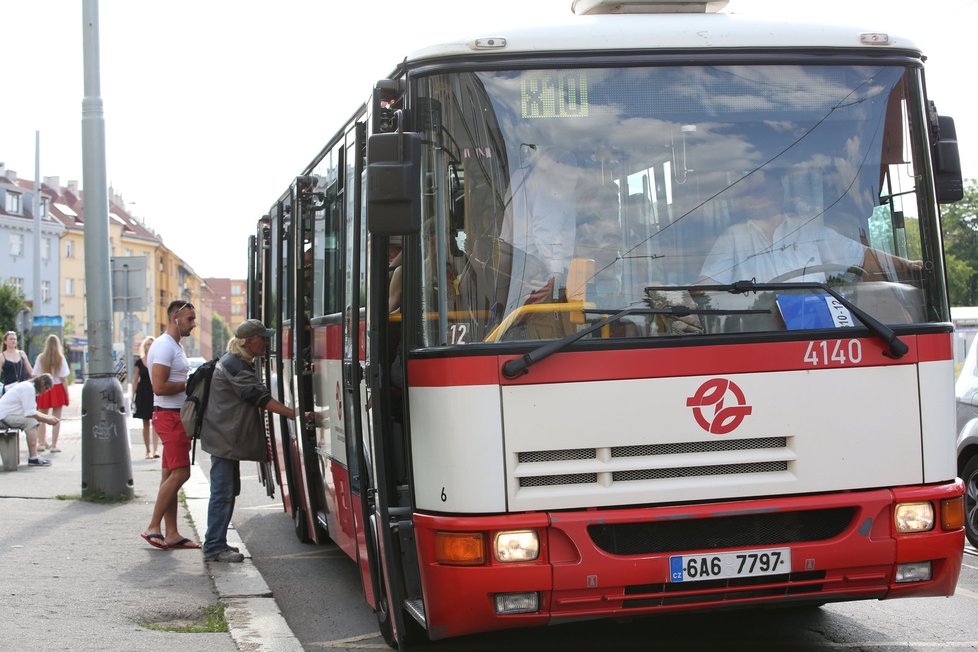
745, 530
661, 595
607, 466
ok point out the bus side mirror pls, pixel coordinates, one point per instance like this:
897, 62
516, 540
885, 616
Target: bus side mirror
394, 183
947, 163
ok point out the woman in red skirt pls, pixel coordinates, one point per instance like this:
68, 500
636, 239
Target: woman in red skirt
52, 361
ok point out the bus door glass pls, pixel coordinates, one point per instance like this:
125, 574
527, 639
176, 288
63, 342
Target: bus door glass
274, 357
353, 314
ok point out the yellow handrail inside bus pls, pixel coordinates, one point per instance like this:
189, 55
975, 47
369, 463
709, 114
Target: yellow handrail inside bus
533, 308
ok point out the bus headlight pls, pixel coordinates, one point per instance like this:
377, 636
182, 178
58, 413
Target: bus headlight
518, 545
913, 517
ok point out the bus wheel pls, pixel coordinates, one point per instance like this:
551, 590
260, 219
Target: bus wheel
384, 622
413, 633
300, 524
970, 475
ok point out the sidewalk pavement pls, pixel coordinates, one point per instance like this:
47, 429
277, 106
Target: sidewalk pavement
75, 575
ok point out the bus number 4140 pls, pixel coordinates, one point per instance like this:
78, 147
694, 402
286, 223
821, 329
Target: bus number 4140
826, 352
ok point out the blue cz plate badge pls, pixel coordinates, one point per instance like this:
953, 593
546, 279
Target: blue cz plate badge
725, 565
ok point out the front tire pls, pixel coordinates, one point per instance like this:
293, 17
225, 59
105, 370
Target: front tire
970, 476
300, 524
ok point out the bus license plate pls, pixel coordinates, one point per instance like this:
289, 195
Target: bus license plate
724, 565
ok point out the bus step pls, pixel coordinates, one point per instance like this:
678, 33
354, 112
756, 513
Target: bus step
415, 607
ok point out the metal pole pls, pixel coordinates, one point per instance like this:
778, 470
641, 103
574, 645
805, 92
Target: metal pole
128, 331
106, 465
36, 210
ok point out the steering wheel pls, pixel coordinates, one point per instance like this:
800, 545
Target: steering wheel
855, 270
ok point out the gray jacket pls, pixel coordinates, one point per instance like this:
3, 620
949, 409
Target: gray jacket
234, 426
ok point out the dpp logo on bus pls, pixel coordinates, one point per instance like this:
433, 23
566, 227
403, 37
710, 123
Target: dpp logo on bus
725, 417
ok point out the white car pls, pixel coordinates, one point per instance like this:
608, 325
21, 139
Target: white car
195, 362
966, 397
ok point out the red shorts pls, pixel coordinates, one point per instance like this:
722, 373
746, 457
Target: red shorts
176, 443
57, 396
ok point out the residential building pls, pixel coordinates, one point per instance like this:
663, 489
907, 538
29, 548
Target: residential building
63, 283
18, 245
230, 299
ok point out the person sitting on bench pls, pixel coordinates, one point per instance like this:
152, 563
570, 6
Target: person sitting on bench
18, 409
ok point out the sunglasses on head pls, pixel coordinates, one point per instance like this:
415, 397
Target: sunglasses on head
181, 308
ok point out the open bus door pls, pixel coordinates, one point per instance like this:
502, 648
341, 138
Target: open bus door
309, 517
381, 555
278, 360
256, 248
353, 406
393, 187
265, 295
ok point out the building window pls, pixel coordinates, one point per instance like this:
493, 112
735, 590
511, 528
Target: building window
13, 202
16, 243
235, 308
69, 287
69, 249
46, 291
44, 207
45, 249
235, 290
17, 283
128, 251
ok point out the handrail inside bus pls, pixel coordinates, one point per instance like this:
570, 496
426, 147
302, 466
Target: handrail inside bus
497, 333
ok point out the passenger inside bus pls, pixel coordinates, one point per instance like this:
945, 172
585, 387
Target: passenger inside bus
540, 224
598, 242
536, 241
394, 270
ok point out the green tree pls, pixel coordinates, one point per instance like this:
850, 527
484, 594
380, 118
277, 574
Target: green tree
959, 222
959, 276
11, 301
220, 335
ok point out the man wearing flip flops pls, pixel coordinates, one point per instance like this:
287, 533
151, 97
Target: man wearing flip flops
168, 371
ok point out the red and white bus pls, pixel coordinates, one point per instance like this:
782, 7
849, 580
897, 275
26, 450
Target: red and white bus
643, 312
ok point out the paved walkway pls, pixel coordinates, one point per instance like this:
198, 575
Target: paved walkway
75, 575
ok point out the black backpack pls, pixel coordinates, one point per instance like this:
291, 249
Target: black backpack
198, 393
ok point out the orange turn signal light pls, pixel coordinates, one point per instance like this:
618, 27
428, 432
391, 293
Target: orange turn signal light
952, 513
460, 548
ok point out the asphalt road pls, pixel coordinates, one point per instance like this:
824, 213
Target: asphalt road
317, 589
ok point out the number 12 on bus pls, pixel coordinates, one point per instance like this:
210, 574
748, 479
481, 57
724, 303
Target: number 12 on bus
609, 318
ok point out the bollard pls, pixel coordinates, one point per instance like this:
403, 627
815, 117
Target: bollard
106, 464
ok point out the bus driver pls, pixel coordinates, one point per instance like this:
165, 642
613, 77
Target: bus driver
770, 243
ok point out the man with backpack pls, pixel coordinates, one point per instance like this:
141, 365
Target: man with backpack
233, 429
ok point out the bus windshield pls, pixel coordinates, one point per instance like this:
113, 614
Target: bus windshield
557, 196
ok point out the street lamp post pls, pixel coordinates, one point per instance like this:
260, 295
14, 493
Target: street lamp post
106, 464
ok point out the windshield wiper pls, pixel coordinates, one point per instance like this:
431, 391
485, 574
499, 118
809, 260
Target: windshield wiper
898, 348
518, 366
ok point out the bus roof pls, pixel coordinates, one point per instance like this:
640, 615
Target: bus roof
672, 31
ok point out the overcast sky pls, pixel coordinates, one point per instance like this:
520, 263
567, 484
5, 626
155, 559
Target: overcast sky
213, 106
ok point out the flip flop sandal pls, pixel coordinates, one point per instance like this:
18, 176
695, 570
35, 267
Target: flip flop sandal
155, 540
186, 544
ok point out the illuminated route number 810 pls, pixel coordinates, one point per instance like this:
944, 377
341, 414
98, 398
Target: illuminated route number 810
554, 94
